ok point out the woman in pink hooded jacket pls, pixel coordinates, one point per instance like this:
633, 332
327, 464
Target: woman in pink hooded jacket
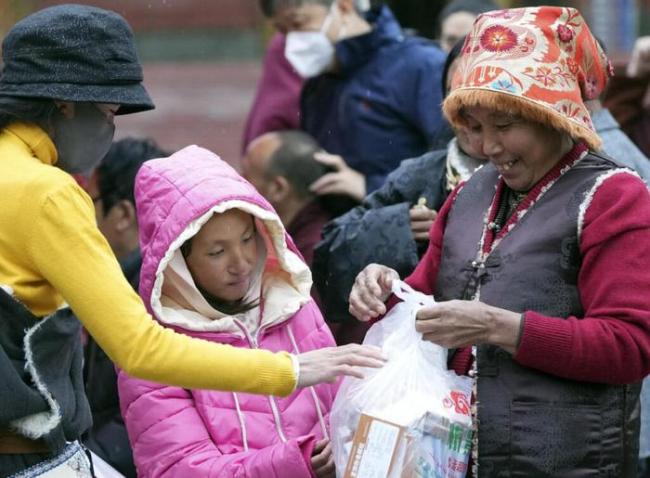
217, 264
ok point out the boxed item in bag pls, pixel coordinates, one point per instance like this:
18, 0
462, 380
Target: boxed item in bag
443, 447
410, 418
377, 448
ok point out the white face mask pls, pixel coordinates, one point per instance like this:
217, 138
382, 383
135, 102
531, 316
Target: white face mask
310, 53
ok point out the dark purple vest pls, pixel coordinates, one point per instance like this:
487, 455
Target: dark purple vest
532, 424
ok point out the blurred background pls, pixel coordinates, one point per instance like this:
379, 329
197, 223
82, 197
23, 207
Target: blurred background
202, 57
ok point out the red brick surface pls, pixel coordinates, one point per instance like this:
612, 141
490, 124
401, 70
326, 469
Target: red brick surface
204, 104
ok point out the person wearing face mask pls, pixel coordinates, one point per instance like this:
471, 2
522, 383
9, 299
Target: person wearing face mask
67, 71
371, 93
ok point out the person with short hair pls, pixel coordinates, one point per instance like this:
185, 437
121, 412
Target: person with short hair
111, 189
282, 165
369, 97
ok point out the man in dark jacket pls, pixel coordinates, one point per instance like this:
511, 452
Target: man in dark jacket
370, 98
111, 189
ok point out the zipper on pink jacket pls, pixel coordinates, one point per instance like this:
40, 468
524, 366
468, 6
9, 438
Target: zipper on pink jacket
319, 411
274, 406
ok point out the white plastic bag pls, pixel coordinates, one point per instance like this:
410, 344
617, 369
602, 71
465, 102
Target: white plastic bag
413, 390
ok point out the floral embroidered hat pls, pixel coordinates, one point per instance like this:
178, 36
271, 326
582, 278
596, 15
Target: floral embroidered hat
539, 63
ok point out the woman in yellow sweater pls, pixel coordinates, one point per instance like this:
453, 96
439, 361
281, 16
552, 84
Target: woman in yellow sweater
67, 71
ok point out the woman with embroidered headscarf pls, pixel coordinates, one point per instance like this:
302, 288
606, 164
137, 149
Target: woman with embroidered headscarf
541, 260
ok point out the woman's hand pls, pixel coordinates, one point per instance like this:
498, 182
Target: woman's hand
459, 323
325, 365
322, 460
370, 290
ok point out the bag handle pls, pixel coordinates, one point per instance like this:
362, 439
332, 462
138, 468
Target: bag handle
405, 292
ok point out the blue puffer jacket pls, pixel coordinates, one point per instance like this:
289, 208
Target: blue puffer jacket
383, 103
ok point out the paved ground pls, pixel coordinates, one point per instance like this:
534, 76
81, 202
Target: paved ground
196, 103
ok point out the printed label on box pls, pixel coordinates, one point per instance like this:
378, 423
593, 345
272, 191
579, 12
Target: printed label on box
374, 448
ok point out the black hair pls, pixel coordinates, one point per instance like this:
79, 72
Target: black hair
472, 6
116, 173
30, 110
228, 308
451, 56
294, 160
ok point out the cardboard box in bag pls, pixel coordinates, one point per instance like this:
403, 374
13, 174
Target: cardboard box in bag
433, 447
378, 449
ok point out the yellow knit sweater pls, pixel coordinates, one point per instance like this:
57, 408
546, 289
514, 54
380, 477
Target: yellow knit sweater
51, 252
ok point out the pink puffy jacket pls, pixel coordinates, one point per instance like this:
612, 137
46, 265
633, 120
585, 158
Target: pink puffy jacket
176, 432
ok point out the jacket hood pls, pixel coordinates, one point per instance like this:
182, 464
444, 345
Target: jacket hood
175, 197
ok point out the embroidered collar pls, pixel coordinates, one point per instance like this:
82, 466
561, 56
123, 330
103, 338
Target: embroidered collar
492, 235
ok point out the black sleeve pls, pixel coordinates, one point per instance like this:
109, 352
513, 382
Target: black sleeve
377, 231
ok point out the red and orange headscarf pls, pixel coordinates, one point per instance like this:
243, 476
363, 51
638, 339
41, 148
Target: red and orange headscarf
540, 63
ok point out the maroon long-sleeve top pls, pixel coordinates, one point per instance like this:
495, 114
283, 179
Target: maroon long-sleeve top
611, 343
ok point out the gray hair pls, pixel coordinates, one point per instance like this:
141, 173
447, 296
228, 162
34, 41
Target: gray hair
270, 7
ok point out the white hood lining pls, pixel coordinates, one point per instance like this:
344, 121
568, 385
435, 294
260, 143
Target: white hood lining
282, 300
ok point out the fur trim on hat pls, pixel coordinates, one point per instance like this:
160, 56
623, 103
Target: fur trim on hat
523, 107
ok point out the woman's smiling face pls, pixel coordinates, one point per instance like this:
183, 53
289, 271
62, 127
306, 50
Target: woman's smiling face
522, 151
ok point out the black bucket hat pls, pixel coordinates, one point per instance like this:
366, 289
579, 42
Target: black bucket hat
74, 53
